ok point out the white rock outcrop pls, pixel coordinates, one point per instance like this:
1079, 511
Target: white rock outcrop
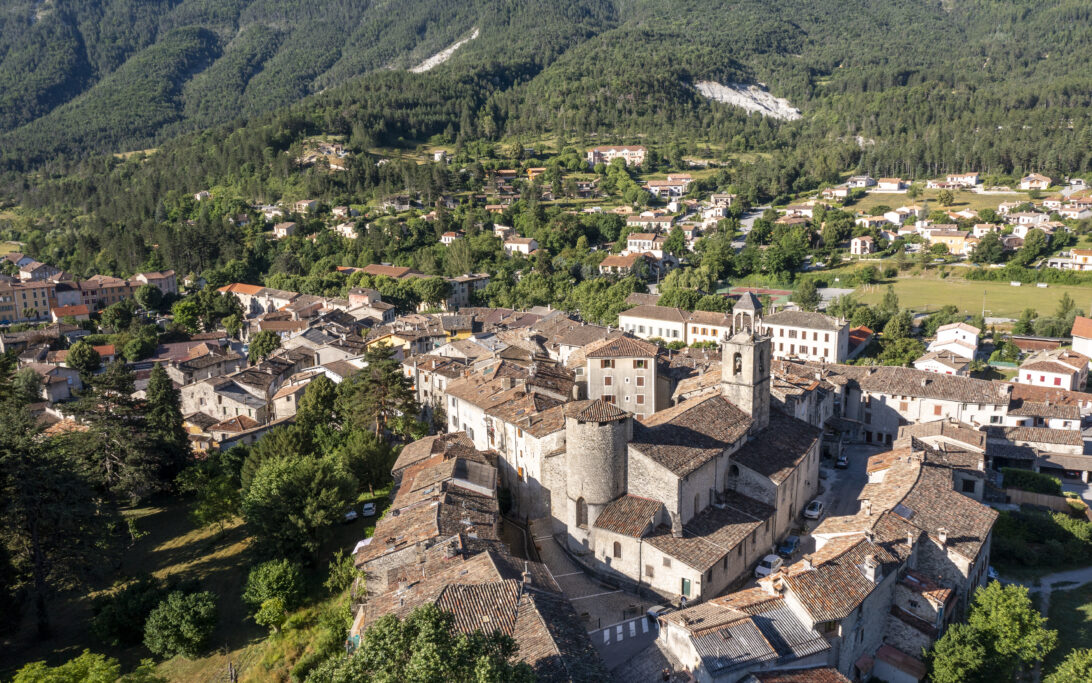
750, 97
443, 55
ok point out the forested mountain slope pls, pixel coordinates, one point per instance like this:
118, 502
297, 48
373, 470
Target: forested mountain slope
895, 86
103, 75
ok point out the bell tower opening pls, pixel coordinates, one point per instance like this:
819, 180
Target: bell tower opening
745, 375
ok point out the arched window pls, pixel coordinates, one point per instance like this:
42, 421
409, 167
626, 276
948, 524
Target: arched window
737, 363
581, 513
618, 550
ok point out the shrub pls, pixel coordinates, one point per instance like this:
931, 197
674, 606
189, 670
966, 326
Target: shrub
275, 579
1035, 482
181, 625
119, 617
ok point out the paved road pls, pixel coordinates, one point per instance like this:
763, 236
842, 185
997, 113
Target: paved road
621, 642
746, 222
600, 605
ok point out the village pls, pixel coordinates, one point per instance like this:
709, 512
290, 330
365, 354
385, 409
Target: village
719, 492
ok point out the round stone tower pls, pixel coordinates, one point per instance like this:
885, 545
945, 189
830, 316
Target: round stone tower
596, 437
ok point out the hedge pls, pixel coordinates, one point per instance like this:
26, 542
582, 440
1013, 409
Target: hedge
1035, 482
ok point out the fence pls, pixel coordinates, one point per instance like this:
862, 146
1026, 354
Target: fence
1020, 497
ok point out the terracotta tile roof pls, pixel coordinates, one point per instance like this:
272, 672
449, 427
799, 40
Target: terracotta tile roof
955, 431
239, 423
820, 674
201, 420
621, 260
837, 585
1044, 409
805, 319
596, 410
932, 504
628, 515
710, 318
1082, 327
777, 450
684, 437
240, 288
664, 313
713, 533
396, 272
922, 585
425, 448
1061, 437
483, 594
78, 309
897, 381
1048, 366
945, 358
621, 347
1030, 392
902, 661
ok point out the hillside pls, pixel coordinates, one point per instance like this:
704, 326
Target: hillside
106, 75
899, 87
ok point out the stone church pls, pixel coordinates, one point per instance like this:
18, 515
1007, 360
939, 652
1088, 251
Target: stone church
685, 500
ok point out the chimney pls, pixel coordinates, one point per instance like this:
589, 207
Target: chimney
870, 536
506, 383
871, 568
403, 585
866, 505
942, 536
526, 578
676, 525
808, 566
449, 551
910, 539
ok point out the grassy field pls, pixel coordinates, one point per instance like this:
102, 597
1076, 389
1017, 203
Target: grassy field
220, 563
1071, 614
929, 293
963, 200
8, 247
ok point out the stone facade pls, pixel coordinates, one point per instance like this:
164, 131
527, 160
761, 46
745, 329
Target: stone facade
745, 375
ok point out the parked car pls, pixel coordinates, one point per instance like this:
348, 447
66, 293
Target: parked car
350, 516
768, 565
369, 509
788, 546
992, 574
654, 613
814, 510
842, 462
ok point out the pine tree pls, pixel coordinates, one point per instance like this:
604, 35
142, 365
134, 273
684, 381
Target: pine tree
163, 413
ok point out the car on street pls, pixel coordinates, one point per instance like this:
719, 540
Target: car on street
814, 510
842, 462
654, 613
768, 565
789, 546
369, 509
992, 574
350, 516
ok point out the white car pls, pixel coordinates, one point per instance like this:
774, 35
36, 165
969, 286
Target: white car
814, 510
350, 516
768, 565
369, 509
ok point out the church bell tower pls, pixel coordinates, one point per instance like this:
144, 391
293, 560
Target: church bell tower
745, 375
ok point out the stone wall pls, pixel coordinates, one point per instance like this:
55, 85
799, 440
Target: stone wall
651, 480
